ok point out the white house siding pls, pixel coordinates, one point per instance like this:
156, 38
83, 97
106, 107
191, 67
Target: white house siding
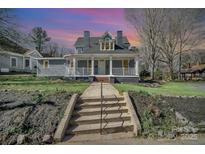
56, 67
5, 62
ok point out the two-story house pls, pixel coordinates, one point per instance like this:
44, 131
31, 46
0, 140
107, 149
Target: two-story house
103, 58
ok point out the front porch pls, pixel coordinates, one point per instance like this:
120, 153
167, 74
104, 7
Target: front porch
103, 66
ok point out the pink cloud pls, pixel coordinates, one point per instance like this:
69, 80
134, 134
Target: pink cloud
96, 12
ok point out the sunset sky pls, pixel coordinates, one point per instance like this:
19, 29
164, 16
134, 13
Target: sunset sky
65, 25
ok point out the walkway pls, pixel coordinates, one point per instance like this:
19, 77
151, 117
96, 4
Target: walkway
94, 90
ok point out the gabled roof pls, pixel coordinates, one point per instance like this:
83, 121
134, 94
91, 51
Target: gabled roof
94, 42
194, 69
8, 45
33, 53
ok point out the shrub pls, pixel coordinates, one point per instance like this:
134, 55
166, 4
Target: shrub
144, 74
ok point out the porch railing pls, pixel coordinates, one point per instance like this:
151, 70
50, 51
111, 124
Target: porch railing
130, 71
82, 71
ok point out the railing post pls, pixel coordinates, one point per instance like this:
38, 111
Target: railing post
83, 71
92, 66
110, 65
136, 66
123, 71
74, 62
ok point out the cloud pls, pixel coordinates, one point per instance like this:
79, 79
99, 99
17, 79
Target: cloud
66, 25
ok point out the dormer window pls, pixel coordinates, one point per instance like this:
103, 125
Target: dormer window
107, 43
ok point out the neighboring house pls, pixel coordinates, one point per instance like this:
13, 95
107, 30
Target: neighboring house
19, 61
96, 58
195, 71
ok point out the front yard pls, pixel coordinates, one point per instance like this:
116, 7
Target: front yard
31, 107
32, 83
171, 88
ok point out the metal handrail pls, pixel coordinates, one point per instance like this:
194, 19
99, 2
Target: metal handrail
101, 111
119, 109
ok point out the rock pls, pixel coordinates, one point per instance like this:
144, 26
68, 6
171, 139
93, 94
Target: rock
47, 139
160, 133
172, 109
162, 82
186, 130
195, 130
12, 140
181, 119
171, 135
156, 111
21, 139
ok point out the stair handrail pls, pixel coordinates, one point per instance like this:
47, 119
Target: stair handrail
118, 102
101, 111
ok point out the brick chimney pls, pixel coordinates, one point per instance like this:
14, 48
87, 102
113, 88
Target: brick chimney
119, 37
87, 39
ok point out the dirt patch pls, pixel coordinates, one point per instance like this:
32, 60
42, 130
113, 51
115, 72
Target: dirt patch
30, 113
192, 108
162, 116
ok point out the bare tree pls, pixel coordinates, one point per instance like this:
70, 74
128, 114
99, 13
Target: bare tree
53, 49
167, 33
147, 23
191, 33
39, 38
7, 22
181, 32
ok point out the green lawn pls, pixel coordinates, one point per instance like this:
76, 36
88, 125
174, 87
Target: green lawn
171, 88
43, 84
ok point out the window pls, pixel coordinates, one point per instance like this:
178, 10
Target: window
27, 63
45, 63
107, 46
89, 63
111, 45
125, 63
13, 62
103, 45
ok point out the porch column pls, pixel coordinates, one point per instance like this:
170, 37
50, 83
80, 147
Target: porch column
23, 62
92, 66
110, 65
30, 63
136, 66
74, 68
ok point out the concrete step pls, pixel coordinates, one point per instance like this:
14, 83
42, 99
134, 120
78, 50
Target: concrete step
110, 127
93, 119
98, 104
95, 137
105, 98
102, 79
113, 101
95, 111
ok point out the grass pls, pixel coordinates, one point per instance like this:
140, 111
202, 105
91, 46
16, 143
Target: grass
43, 84
171, 89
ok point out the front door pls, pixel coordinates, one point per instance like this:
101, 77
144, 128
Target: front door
101, 67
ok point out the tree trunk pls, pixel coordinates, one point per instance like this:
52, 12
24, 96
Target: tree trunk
153, 69
171, 70
180, 61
